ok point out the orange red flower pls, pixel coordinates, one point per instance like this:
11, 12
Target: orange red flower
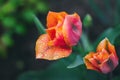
63, 32
104, 59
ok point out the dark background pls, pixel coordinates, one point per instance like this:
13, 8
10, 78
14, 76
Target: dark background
17, 45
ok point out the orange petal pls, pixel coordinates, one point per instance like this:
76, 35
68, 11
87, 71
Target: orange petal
41, 44
90, 66
105, 44
102, 45
112, 49
43, 51
53, 18
101, 56
90, 55
54, 53
88, 63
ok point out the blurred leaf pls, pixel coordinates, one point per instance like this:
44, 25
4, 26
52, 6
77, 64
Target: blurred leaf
56, 71
117, 41
42, 7
33, 1
78, 61
9, 22
108, 5
110, 33
20, 29
87, 21
39, 25
94, 75
116, 13
8, 8
27, 14
3, 53
7, 40
98, 11
86, 44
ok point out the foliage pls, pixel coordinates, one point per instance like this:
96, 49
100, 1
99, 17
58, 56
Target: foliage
78, 71
15, 16
58, 71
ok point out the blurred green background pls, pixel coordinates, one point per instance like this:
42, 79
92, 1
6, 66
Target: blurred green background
18, 34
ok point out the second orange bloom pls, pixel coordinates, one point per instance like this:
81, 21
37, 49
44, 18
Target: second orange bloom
104, 59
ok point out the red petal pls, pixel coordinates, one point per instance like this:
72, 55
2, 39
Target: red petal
72, 29
109, 64
51, 32
43, 51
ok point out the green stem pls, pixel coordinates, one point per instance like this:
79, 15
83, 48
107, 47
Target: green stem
39, 25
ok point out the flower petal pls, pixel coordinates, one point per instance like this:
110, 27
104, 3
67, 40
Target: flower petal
72, 29
105, 44
112, 50
90, 63
44, 51
109, 64
53, 18
102, 45
104, 60
51, 32
41, 44
90, 66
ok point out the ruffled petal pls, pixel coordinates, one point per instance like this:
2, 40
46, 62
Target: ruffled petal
44, 51
90, 62
53, 18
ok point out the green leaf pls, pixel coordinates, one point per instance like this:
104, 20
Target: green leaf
100, 14
39, 25
85, 41
8, 8
27, 14
56, 71
78, 61
110, 33
20, 29
9, 22
7, 39
42, 7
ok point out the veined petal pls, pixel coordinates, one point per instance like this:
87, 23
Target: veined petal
56, 52
72, 29
41, 45
88, 63
44, 51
